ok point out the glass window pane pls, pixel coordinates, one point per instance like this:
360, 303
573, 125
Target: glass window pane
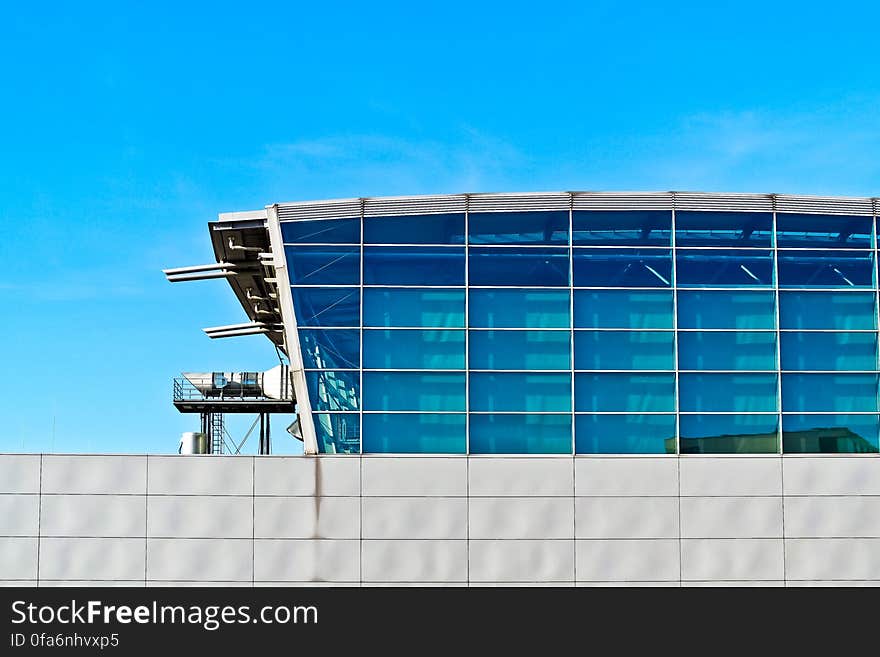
623, 309
330, 349
416, 229
414, 350
622, 228
333, 391
412, 307
414, 391
520, 350
322, 231
622, 267
623, 350
740, 229
520, 434
624, 434
417, 265
729, 434
829, 351
724, 268
744, 393
818, 269
842, 393
539, 267
518, 227
633, 393
829, 434
827, 310
414, 433
520, 392
518, 308
337, 433
327, 306
823, 231
723, 309
324, 265
720, 350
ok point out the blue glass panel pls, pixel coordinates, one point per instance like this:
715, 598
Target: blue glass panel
625, 228
633, 393
337, 433
829, 351
841, 393
827, 310
726, 351
416, 265
414, 391
414, 433
412, 307
724, 268
623, 309
414, 350
519, 308
333, 391
520, 350
520, 392
510, 266
420, 229
518, 227
729, 434
742, 393
324, 265
622, 267
829, 434
723, 309
327, 306
623, 350
818, 269
739, 229
520, 434
322, 231
823, 231
624, 434
330, 349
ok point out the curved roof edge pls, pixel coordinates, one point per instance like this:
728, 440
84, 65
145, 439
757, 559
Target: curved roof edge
514, 202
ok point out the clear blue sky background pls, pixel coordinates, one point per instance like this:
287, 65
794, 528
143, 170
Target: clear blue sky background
124, 129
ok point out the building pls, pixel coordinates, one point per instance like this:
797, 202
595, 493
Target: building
565, 388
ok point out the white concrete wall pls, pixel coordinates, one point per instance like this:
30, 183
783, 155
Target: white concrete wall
435, 520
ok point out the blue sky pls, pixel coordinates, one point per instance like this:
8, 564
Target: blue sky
125, 129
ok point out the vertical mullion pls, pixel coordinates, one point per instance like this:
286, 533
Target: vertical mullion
675, 333
876, 292
571, 317
361, 343
467, 328
776, 300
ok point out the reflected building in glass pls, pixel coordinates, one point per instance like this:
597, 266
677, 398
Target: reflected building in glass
581, 323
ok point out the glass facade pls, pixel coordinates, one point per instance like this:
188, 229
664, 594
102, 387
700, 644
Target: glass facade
588, 332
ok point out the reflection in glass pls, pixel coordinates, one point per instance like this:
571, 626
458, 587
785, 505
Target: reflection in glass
622, 267
624, 350
724, 268
621, 392
729, 434
739, 229
509, 267
330, 349
829, 351
829, 434
520, 350
327, 306
331, 390
723, 350
827, 310
414, 391
416, 265
520, 391
549, 227
414, 433
823, 231
507, 308
825, 269
842, 393
740, 393
726, 309
520, 434
324, 265
413, 307
638, 309
415, 229
414, 350
322, 231
625, 434
622, 228
337, 433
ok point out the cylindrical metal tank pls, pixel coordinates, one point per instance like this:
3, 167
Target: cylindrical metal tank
193, 442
